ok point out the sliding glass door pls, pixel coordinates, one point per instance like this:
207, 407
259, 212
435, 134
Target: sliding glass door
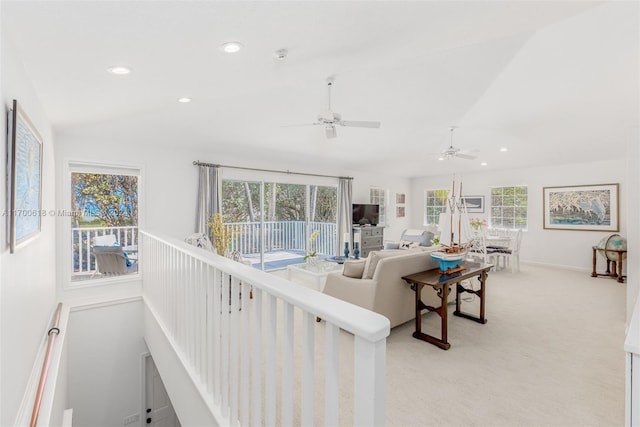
272, 222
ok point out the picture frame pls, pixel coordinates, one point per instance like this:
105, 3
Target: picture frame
581, 207
400, 197
400, 211
474, 204
24, 156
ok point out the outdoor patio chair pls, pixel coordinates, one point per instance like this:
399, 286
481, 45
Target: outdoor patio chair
106, 240
110, 261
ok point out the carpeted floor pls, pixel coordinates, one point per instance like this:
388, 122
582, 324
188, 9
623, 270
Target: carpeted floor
551, 354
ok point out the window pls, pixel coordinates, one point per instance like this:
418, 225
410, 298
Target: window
103, 213
435, 203
509, 207
378, 196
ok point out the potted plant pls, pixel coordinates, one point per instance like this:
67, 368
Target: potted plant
221, 236
312, 256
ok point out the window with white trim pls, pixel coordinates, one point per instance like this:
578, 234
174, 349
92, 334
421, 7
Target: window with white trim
435, 203
509, 207
378, 196
103, 221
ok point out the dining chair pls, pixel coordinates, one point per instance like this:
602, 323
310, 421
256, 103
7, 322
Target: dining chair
511, 254
479, 250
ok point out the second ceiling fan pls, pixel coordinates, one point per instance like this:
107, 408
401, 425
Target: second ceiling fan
452, 151
330, 119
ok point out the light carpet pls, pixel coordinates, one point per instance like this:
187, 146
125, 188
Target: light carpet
551, 354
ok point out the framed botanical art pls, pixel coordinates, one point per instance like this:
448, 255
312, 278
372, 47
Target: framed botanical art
474, 204
400, 198
400, 211
25, 177
582, 207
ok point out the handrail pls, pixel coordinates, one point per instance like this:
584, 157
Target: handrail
359, 321
52, 334
233, 348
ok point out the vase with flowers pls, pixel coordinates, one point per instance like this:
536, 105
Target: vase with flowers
477, 224
311, 256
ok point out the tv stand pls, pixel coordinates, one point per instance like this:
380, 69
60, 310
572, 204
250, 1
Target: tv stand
371, 238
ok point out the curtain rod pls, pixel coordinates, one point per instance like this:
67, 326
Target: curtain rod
211, 165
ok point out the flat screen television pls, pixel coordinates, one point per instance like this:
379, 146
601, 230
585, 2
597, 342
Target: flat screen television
364, 214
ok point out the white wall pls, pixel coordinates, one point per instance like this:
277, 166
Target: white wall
105, 344
571, 249
27, 277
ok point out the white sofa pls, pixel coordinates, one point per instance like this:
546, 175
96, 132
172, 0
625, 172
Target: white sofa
381, 288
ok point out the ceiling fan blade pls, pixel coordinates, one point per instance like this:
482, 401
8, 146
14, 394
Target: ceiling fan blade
330, 131
465, 156
300, 125
359, 124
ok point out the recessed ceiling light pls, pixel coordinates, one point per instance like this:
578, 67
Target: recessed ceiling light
119, 70
184, 100
503, 149
441, 158
483, 164
231, 47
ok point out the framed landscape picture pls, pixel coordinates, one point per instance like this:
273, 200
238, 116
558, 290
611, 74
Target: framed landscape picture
475, 204
582, 207
25, 180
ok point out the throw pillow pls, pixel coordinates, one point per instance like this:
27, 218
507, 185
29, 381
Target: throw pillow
372, 262
354, 269
406, 244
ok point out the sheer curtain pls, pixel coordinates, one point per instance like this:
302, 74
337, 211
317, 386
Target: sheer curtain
344, 212
209, 194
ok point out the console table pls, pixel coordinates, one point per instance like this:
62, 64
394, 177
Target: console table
442, 283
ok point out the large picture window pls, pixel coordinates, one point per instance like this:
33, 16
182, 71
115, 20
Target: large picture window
509, 207
435, 203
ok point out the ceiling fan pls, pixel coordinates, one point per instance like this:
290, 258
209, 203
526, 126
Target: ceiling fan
330, 119
452, 151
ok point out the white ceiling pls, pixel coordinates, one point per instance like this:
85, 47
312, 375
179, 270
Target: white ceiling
555, 82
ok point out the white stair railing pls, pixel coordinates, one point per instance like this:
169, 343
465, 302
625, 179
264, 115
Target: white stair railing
249, 339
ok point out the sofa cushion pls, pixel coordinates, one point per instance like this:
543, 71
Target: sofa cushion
421, 237
391, 245
354, 269
372, 262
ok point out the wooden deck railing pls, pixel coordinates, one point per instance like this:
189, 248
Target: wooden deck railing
246, 238
281, 236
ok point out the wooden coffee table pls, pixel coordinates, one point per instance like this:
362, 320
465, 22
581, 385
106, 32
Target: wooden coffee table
442, 284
